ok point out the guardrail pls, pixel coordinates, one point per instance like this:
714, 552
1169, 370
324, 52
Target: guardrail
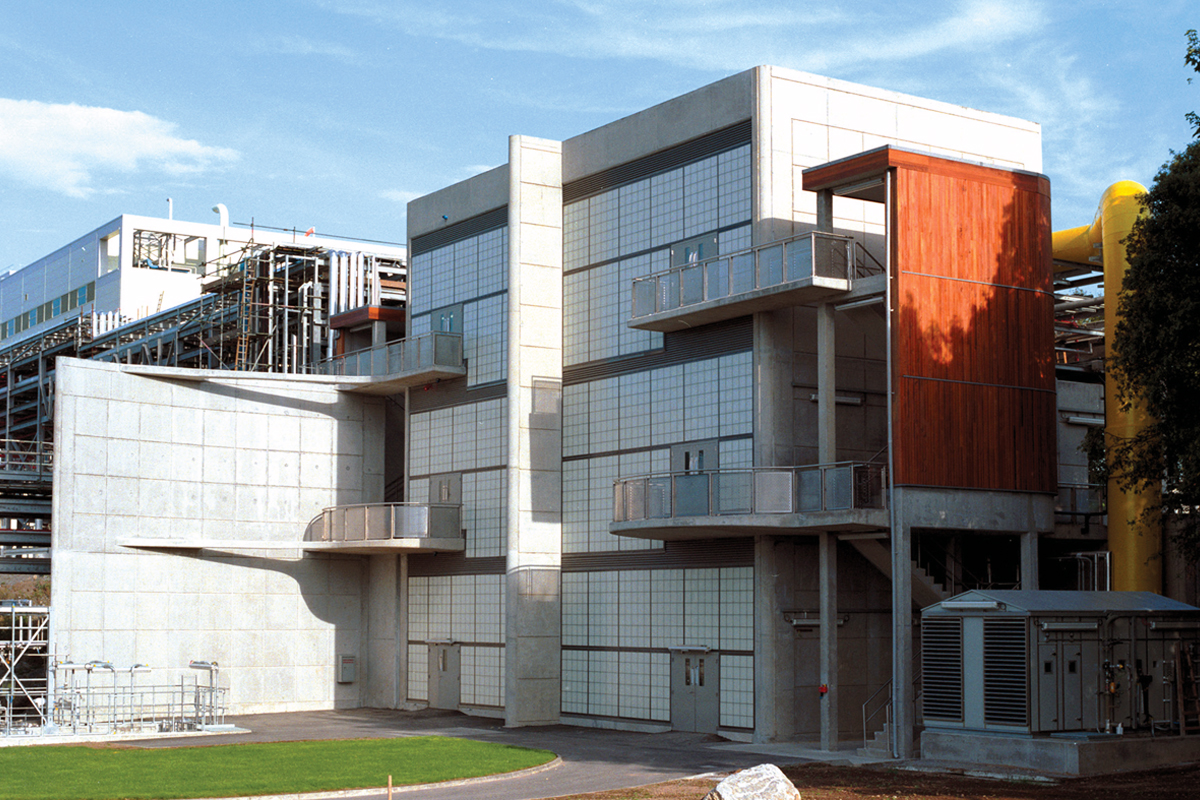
1081, 498
26, 458
427, 351
823, 255
382, 521
759, 490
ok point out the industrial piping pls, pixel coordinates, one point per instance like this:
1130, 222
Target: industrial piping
1136, 545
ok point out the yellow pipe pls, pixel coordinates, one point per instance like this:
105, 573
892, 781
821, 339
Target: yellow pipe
1136, 545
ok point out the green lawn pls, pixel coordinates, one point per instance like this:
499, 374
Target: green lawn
68, 772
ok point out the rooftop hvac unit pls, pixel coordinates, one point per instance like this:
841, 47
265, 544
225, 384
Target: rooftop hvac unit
1046, 661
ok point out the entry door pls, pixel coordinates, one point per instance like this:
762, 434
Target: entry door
694, 456
445, 488
444, 670
695, 691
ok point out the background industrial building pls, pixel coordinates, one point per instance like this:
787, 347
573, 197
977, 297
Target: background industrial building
675, 424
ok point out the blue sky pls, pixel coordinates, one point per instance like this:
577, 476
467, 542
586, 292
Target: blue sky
335, 113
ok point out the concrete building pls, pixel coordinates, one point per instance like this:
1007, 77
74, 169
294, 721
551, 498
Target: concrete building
692, 412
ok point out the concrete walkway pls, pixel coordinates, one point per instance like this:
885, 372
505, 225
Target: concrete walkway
592, 759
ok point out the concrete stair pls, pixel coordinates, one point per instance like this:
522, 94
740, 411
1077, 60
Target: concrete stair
925, 590
878, 746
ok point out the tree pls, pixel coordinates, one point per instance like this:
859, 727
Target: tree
1155, 355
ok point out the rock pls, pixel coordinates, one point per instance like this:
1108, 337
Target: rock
764, 782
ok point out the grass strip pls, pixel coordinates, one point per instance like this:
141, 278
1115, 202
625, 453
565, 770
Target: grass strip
74, 772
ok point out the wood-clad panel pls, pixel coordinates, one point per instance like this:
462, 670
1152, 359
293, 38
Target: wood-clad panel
973, 327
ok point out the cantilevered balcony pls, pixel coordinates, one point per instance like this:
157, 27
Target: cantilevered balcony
387, 527
846, 496
804, 269
388, 368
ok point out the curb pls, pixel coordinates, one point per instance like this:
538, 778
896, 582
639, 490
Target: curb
348, 794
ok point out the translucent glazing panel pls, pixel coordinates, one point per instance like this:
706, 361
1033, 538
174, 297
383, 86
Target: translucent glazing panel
838, 488
718, 279
691, 495
691, 285
808, 490
668, 291
658, 498
732, 492
773, 492
770, 266
643, 298
799, 259
833, 257
741, 273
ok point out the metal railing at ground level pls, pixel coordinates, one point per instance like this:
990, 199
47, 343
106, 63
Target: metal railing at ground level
382, 521
426, 351
97, 697
758, 490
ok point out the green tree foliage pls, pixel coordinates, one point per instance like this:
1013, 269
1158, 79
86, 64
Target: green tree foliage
1192, 59
1156, 352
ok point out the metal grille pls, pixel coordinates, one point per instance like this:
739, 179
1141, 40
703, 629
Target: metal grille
773, 492
1005, 672
942, 668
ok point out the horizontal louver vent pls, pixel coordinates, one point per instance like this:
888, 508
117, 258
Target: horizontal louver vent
1005, 672
496, 218
941, 668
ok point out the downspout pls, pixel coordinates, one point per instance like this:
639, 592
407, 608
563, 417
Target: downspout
1136, 546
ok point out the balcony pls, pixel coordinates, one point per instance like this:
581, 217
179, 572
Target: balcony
387, 527
391, 367
847, 496
804, 269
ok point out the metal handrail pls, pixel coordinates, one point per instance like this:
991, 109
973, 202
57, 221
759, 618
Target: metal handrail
886, 708
763, 266
751, 490
424, 351
23, 455
382, 521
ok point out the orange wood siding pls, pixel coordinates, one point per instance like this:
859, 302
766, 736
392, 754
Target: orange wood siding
973, 327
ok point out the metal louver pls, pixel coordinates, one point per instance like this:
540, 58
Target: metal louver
1005, 672
942, 668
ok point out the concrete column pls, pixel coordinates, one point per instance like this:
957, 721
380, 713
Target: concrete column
381, 668
378, 333
825, 211
829, 647
774, 642
533, 635
826, 386
902, 638
1029, 560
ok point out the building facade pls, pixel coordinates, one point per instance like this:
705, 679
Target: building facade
728, 370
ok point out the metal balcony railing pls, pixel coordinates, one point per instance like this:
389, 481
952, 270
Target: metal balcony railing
374, 522
761, 490
793, 261
418, 353
1081, 498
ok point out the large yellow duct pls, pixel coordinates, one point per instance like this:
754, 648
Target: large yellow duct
1136, 546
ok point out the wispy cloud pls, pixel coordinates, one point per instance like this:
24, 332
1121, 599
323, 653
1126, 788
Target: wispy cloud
65, 148
720, 35
301, 46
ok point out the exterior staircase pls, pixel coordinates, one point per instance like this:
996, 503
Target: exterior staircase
925, 590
